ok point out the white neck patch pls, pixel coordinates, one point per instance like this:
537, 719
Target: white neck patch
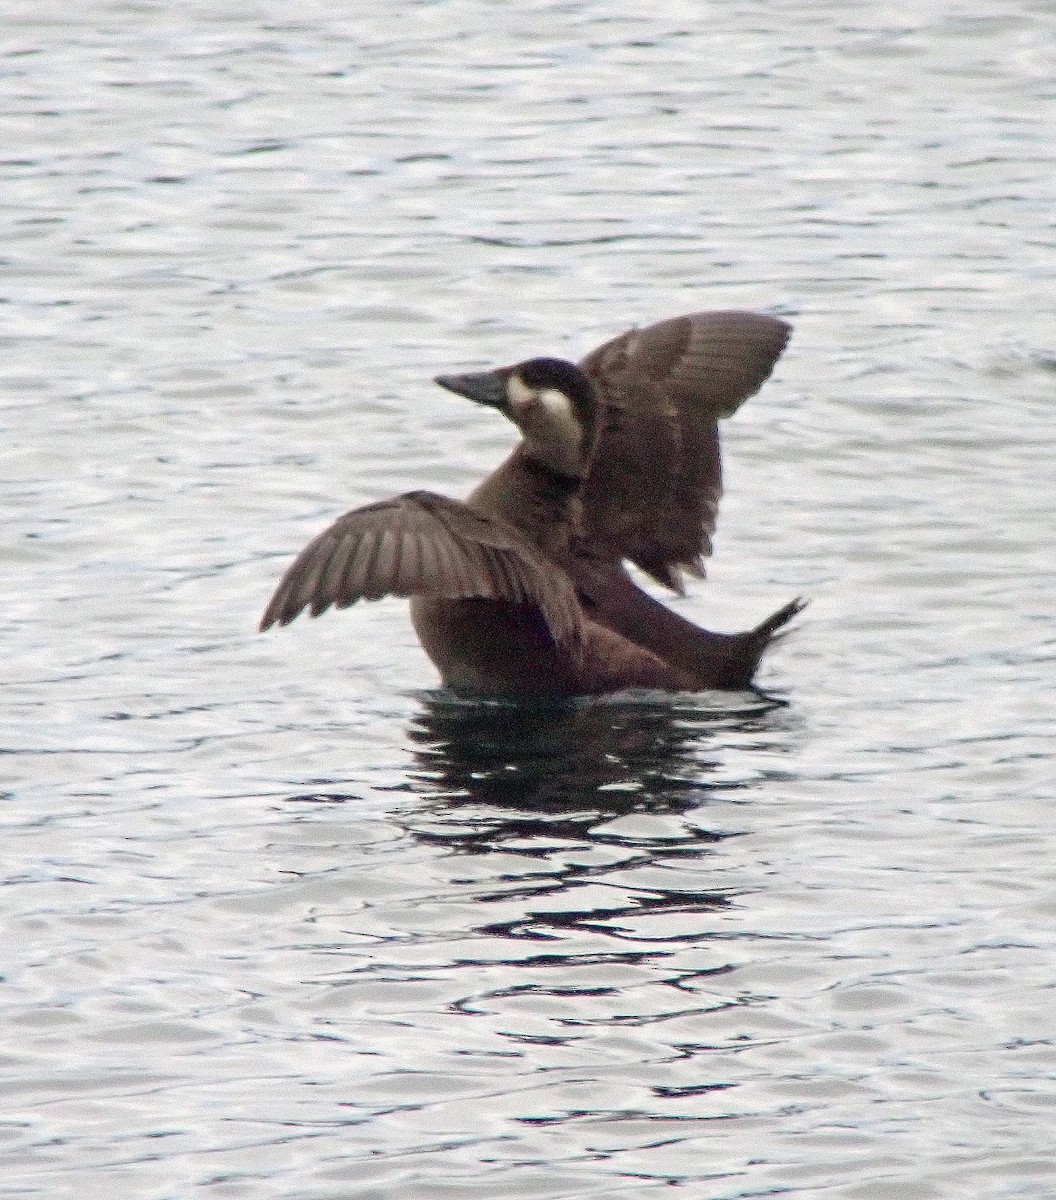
548, 421
558, 405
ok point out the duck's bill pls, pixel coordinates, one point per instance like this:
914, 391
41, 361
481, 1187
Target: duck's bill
484, 387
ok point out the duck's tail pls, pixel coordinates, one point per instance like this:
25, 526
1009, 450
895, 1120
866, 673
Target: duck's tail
746, 649
730, 660
703, 659
768, 630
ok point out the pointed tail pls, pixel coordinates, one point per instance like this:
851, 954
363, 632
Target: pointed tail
704, 659
738, 659
768, 628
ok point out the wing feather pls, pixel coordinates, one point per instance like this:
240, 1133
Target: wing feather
653, 490
336, 568
409, 566
423, 544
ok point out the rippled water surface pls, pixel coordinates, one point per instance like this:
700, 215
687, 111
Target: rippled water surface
282, 921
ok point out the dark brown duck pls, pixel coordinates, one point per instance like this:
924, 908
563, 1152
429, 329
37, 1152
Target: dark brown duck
521, 590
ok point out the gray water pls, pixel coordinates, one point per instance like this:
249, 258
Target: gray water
285, 921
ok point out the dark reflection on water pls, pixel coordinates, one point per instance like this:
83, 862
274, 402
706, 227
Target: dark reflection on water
569, 859
539, 782
572, 761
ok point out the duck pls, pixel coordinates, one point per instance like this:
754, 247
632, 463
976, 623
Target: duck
522, 590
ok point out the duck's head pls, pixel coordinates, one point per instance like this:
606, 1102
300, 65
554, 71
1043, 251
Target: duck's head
551, 401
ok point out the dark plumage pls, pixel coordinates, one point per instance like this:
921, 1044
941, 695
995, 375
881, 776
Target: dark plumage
521, 590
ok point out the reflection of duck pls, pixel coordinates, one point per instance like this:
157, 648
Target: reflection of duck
561, 770
521, 590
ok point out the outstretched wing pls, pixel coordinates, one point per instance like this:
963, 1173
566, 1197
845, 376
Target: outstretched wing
653, 490
423, 544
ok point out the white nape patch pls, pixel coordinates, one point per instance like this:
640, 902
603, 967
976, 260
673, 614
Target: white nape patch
558, 405
548, 421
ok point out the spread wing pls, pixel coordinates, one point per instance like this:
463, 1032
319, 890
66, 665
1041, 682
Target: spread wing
653, 490
422, 544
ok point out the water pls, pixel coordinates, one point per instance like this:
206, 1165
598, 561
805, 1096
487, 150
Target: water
282, 920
